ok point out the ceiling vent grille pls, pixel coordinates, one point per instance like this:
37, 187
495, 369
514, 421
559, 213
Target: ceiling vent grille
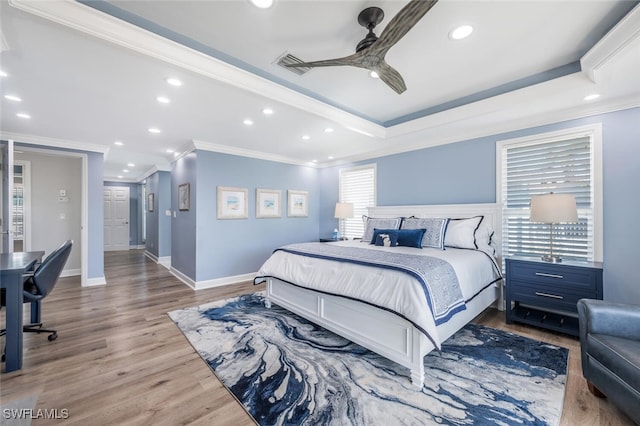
288, 59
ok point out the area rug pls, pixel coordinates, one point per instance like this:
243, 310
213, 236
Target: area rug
287, 371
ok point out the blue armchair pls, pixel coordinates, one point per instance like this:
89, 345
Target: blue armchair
610, 349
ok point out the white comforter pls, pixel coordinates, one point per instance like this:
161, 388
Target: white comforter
391, 289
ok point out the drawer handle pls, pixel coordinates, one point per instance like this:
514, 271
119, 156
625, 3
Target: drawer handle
553, 296
542, 274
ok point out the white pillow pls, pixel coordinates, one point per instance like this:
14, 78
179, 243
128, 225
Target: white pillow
380, 223
461, 233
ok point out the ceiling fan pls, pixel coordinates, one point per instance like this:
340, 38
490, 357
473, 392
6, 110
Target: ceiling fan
371, 50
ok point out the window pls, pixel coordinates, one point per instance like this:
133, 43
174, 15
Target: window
567, 162
357, 186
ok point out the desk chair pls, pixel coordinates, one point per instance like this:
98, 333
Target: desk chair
39, 284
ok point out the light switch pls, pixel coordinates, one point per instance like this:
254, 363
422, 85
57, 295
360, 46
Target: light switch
63, 192
167, 213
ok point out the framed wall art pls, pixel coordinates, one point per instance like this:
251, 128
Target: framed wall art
232, 203
184, 200
297, 203
268, 202
150, 200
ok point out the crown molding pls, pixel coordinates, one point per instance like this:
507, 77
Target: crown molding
98, 24
54, 143
623, 34
226, 149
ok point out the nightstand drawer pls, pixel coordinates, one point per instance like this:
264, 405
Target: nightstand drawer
562, 276
554, 297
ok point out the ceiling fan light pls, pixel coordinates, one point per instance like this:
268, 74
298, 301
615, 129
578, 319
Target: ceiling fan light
461, 32
262, 4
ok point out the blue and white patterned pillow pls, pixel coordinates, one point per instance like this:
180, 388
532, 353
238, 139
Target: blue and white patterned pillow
370, 223
435, 230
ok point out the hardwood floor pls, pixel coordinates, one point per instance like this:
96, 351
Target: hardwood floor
119, 359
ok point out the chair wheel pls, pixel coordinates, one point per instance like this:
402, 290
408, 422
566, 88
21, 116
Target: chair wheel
52, 337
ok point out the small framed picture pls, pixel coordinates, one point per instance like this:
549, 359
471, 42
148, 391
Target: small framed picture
184, 201
232, 203
297, 203
268, 202
150, 199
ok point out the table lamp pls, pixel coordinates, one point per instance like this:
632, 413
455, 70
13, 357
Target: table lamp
343, 211
553, 208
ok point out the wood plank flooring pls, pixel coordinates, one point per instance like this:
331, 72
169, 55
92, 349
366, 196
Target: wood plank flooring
119, 359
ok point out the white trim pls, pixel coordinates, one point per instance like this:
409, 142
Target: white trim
216, 282
151, 171
183, 278
138, 247
593, 131
54, 143
70, 273
165, 261
226, 149
26, 200
95, 281
620, 37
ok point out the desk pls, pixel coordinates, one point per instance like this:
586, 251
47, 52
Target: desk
12, 267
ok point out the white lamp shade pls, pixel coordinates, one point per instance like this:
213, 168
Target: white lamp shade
553, 208
343, 210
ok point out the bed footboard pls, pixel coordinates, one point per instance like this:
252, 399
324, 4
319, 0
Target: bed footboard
375, 329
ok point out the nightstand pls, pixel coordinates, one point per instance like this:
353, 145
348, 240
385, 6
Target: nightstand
546, 294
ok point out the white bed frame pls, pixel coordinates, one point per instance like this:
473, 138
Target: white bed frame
377, 329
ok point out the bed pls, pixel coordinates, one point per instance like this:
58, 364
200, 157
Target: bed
367, 294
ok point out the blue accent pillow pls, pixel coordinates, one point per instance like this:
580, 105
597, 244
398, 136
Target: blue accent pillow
406, 237
435, 230
388, 240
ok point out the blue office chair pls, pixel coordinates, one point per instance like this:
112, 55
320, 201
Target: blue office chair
39, 284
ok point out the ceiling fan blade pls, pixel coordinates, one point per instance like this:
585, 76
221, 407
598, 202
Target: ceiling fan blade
352, 60
400, 25
391, 77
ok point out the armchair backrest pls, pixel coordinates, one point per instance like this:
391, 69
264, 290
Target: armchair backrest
47, 274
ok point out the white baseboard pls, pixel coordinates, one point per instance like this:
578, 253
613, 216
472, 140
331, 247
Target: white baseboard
95, 281
70, 273
165, 261
216, 282
151, 256
140, 247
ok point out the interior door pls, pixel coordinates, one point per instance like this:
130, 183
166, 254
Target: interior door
6, 188
116, 218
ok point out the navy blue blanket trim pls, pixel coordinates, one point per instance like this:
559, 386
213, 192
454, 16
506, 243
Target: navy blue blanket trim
384, 308
482, 289
417, 276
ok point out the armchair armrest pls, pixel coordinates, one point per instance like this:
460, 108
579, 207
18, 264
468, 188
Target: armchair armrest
613, 319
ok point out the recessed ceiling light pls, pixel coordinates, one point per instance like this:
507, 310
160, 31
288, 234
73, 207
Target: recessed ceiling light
262, 4
125, 170
170, 151
13, 98
330, 157
591, 97
120, 176
306, 137
130, 165
175, 154
248, 122
3, 74
314, 161
118, 143
23, 115
267, 111
374, 74
328, 130
174, 82
163, 99
461, 32
153, 130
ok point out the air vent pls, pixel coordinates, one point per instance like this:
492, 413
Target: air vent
288, 59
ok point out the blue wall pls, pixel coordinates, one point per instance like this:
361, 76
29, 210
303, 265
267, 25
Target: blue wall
136, 211
225, 248
158, 240
465, 172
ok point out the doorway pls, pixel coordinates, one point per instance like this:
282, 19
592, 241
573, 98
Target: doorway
116, 218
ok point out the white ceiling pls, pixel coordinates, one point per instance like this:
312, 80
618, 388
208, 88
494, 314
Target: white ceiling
88, 77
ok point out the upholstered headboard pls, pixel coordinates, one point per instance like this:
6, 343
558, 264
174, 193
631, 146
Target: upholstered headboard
490, 211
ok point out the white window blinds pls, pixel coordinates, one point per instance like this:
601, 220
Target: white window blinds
357, 186
564, 165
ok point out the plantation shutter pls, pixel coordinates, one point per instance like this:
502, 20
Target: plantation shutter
357, 186
563, 166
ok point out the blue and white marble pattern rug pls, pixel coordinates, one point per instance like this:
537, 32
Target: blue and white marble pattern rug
287, 371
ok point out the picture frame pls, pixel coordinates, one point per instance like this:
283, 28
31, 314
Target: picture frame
184, 197
268, 203
297, 203
150, 201
232, 202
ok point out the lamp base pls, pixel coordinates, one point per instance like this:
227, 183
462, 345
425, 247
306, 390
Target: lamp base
552, 259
